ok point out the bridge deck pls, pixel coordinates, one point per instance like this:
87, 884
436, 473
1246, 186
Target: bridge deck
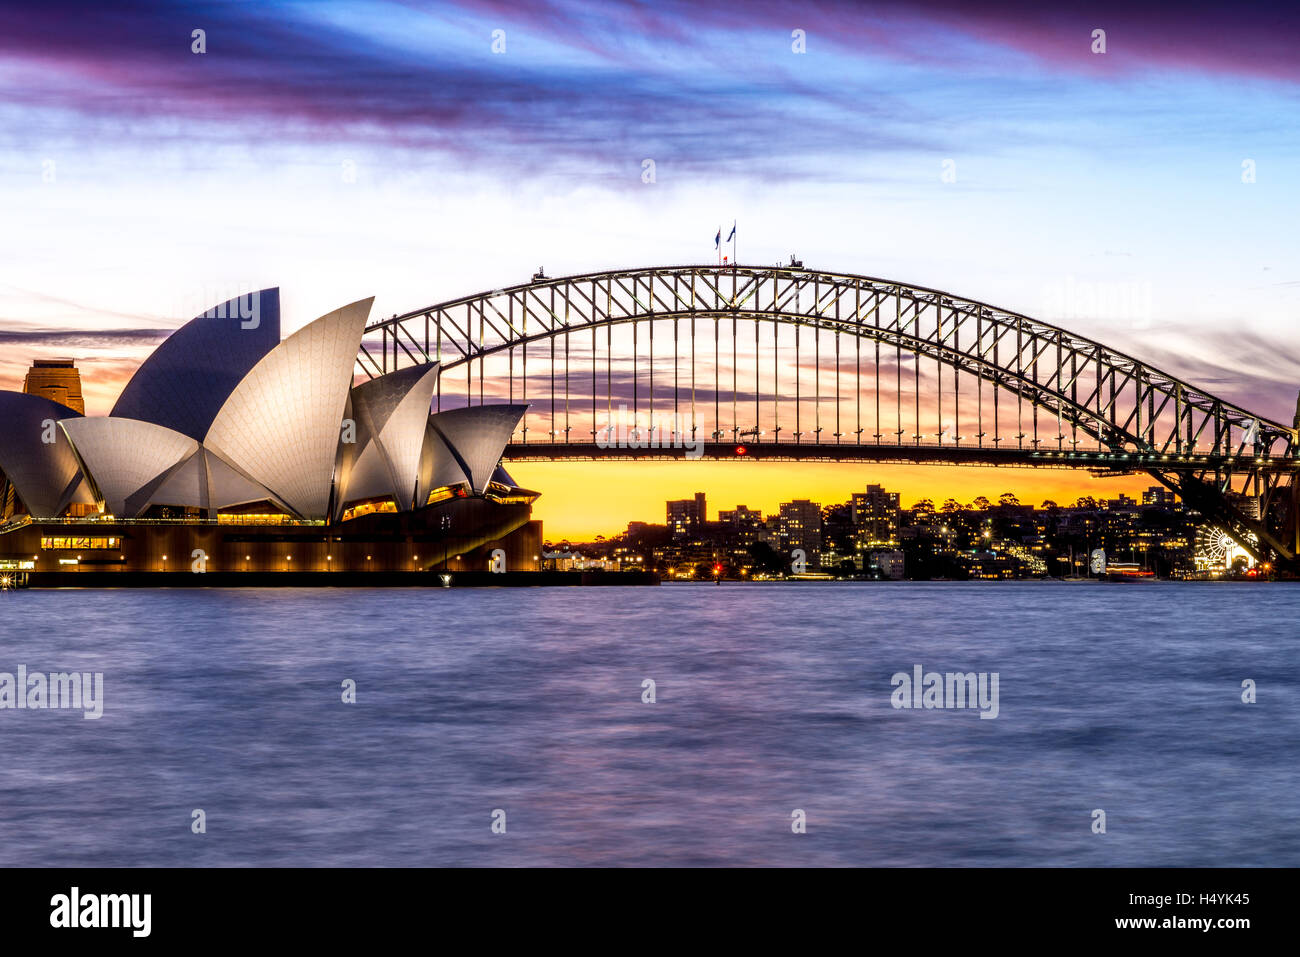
885, 453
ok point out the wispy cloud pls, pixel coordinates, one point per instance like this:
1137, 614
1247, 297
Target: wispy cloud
84, 338
1257, 372
687, 83
304, 77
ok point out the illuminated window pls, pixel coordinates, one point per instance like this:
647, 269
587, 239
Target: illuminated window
446, 492
251, 518
79, 543
369, 508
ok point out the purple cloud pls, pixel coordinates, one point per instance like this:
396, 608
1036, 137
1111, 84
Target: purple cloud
270, 73
677, 81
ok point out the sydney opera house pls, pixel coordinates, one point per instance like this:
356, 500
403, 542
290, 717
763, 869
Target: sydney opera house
232, 451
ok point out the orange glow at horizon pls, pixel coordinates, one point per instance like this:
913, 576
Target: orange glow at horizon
583, 499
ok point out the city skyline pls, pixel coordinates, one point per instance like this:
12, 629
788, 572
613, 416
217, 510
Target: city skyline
872, 536
682, 516
634, 488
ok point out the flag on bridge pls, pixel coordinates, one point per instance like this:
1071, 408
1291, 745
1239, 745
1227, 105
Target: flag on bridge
717, 240
733, 231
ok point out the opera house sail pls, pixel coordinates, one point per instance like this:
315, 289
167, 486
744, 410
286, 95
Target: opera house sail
231, 450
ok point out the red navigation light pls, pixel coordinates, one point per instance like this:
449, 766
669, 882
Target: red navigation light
740, 450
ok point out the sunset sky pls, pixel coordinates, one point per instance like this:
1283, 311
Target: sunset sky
1145, 196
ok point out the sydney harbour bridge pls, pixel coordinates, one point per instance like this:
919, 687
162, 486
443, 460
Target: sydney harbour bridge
787, 363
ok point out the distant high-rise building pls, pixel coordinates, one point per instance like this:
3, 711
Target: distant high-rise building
769, 533
801, 527
838, 537
739, 516
1157, 495
875, 518
57, 380
742, 523
884, 564
687, 516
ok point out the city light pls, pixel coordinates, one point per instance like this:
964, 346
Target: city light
873, 536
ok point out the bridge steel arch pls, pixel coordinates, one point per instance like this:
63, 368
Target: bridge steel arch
1112, 413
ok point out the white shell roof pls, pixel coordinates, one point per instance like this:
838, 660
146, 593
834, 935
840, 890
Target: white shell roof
186, 380
281, 423
127, 459
390, 412
227, 486
504, 478
467, 444
205, 481
45, 474
185, 485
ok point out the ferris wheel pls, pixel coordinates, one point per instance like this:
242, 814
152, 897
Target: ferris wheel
1215, 548
1212, 545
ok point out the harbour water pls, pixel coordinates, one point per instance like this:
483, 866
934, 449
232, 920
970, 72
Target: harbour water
769, 699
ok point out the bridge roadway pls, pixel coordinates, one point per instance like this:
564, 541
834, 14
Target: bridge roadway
948, 454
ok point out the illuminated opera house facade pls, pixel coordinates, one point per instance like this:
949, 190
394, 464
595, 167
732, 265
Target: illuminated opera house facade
233, 451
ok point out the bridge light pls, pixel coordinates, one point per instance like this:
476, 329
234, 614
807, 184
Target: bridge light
740, 450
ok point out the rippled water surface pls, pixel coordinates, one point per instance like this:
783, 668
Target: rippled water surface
770, 698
